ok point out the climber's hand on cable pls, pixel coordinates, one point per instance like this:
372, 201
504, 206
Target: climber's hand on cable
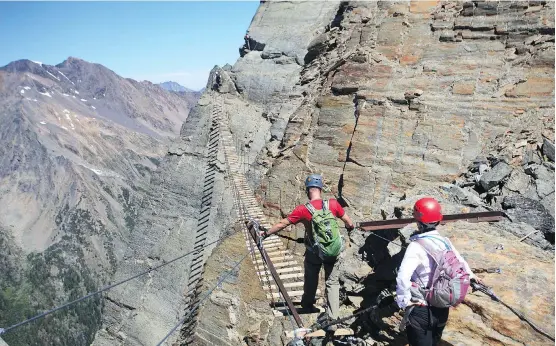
350, 228
475, 278
250, 223
263, 232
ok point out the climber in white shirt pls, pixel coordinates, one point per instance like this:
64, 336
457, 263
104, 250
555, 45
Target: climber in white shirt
416, 267
424, 323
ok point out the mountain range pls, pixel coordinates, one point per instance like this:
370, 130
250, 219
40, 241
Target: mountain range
78, 143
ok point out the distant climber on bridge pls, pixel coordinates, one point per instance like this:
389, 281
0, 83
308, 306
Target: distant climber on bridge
432, 278
324, 244
246, 38
217, 81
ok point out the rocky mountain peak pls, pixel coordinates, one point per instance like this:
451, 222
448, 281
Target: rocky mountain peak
173, 86
23, 65
77, 63
88, 75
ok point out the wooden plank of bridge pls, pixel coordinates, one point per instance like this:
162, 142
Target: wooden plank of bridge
283, 270
321, 333
286, 277
290, 293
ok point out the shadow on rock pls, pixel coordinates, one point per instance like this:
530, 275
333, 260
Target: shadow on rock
375, 250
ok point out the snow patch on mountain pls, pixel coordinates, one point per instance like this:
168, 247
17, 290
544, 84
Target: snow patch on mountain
60, 72
46, 94
53, 76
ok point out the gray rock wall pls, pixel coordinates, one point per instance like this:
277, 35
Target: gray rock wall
287, 28
142, 311
280, 34
395, 101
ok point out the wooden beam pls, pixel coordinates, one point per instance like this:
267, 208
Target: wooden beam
288, 276
290, 293
321, 333
283, 270
487, 216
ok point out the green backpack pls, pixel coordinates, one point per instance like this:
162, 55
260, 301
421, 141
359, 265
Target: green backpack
326, 232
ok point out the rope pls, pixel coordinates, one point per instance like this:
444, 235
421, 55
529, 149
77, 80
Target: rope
106, 288
202, 300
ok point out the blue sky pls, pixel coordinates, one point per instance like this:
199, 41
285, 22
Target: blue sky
156, 41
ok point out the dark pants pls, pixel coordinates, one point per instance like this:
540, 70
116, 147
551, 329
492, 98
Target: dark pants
426, 325
312, 264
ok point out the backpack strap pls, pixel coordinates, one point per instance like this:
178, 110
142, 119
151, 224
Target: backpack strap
427, 249
312, 210
310, 207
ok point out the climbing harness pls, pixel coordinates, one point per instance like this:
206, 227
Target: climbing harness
488, 291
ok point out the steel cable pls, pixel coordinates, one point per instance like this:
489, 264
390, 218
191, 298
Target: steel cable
106, 288
228, 273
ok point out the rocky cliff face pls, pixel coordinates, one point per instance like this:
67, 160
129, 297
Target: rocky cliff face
388, 100
167, 225
79, 146
392, 100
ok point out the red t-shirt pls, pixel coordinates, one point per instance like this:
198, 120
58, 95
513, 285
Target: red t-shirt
301, 213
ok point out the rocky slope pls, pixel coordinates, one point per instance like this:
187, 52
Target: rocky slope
79, 145
144, 310
392, 100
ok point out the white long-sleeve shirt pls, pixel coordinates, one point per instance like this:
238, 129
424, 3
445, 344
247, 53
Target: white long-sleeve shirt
417, 266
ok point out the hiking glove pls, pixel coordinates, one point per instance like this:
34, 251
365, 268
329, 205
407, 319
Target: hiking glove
476, 279
350, 228
263, 232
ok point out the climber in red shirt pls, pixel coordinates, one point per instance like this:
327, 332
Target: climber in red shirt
314, 258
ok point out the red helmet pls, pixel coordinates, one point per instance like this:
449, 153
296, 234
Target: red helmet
427, 210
